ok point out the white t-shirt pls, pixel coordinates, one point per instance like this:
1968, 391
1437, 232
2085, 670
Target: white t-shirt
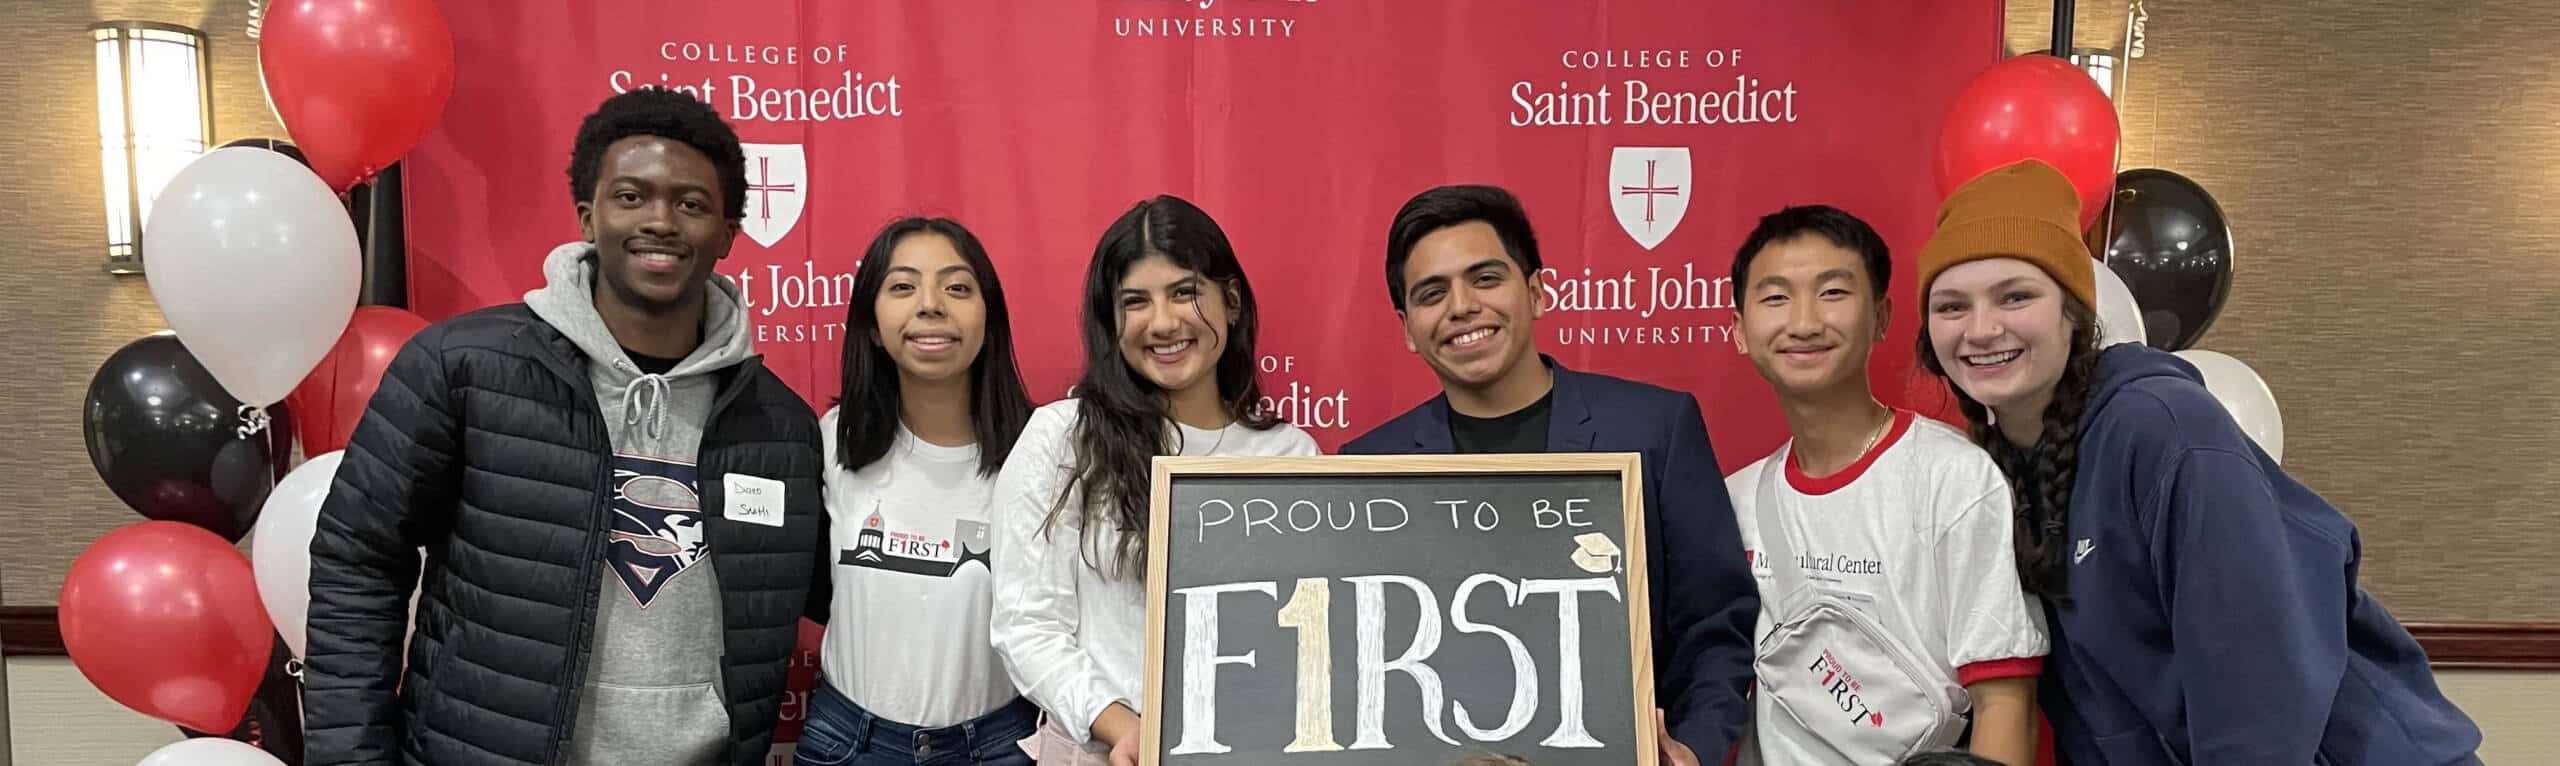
1073, 638
1922, 521
907, 630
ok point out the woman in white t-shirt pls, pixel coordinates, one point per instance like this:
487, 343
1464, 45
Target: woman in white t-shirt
932, 403
1168, 325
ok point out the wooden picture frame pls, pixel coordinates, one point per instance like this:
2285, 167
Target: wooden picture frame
1627, 466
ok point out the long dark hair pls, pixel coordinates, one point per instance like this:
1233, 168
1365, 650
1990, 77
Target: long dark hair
2041, 476
1120, 420
867, 421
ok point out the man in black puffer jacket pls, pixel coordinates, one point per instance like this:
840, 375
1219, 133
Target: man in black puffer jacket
620, 506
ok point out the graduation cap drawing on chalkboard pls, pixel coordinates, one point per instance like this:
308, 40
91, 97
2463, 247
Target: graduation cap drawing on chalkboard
1595, 553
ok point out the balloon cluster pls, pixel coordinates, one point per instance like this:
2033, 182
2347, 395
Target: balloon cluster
2166, 246
255, 264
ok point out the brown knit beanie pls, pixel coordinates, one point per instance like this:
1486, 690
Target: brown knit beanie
2024, 210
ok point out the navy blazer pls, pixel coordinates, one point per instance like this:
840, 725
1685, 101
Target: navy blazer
1703, 598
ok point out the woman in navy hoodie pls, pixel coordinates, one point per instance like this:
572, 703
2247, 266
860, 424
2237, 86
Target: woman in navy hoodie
2203, 605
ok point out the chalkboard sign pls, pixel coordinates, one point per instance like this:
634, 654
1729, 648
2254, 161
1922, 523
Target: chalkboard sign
1414, 611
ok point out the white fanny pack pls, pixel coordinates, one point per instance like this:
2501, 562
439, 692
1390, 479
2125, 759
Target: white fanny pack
1837, 677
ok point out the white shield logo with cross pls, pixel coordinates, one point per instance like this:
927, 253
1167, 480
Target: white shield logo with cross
777, 184
1649, 189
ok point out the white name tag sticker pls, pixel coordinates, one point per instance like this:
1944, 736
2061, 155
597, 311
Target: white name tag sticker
752, 499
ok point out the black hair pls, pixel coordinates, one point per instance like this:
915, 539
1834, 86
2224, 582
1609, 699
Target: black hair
1832, 224
2040, 476
1445, 206
1948, 758
867, 423
1120, 417
667, 114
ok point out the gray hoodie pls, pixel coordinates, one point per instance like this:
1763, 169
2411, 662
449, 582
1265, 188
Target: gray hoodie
652, 689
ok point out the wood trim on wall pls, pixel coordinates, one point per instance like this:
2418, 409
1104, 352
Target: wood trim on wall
30, 631
2490, 645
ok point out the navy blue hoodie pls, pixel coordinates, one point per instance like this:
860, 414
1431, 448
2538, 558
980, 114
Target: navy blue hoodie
2214, 616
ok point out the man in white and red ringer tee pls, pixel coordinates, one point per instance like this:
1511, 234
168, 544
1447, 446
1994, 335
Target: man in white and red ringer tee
1891, 511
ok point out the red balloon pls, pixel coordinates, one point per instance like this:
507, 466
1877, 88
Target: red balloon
357, 82
164, 617
2033, 107
331, 400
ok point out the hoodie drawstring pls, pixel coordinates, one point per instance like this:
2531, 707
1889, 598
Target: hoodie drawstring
650, 410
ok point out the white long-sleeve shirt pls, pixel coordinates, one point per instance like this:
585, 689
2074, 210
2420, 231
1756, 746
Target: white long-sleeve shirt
1072, 637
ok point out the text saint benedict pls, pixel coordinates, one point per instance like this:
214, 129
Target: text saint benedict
1748, 101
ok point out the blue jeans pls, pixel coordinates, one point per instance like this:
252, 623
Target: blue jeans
840, 733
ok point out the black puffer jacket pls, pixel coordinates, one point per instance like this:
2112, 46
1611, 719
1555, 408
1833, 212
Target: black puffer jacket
486, 447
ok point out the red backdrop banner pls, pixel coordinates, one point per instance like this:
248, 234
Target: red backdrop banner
1644, 136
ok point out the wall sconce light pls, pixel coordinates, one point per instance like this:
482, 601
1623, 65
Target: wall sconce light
154, 117
2101, 65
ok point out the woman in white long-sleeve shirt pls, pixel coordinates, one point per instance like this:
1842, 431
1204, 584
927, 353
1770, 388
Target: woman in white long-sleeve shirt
1169, 325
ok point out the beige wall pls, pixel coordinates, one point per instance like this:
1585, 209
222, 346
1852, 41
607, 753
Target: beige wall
56, 717
64, 316
2388, 171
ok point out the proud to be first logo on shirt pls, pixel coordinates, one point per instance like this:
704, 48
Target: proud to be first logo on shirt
877, 547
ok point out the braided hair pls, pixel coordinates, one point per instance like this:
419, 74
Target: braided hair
2041, 476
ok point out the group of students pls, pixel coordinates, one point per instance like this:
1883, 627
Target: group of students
625, 517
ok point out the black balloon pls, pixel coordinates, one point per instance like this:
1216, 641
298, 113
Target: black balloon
169, 440
2169, 242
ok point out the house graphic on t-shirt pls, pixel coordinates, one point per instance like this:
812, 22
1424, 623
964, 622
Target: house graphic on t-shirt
879, 547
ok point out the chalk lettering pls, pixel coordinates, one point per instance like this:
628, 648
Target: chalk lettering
1310, 613
1549, 518
1524, 671
1268, 521
1205, 523
1570, 732
1369, 605
1349, 516
1403, 516
1541, 511
1200, 661
1313, 523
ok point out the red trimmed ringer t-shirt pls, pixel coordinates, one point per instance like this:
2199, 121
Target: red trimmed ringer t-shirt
1923, 520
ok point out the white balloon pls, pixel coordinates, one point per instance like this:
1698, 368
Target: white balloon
280, 544
2244, 394
2119, 315
209, 751
255, 264
280, 548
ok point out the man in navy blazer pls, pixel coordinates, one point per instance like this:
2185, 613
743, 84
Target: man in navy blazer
1462, 270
